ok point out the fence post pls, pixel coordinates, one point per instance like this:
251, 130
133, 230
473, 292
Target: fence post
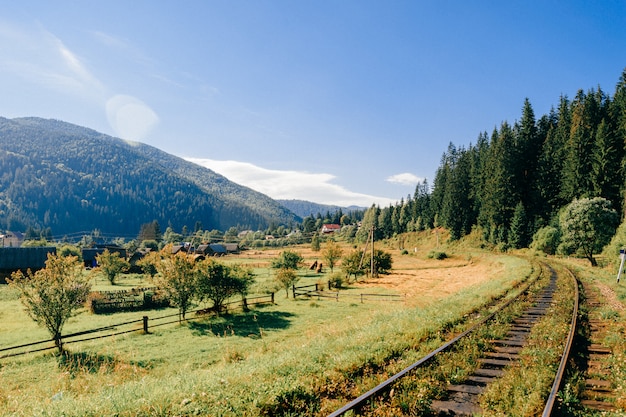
361, 298
329, 286
294, 290
145, 324
245, 303
272, 298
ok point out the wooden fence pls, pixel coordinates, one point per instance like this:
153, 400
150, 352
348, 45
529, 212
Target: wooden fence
144, 324
136, 299
317, 290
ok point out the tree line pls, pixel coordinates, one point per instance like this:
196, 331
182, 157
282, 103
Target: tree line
515, 181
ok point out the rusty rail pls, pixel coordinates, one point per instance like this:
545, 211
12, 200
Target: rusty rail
358, 402
547, 411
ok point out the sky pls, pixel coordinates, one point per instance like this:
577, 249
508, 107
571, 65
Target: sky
346, 102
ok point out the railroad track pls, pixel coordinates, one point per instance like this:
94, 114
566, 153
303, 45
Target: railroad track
597, 394
462, 399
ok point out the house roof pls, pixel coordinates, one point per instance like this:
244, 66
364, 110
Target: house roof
217, 248
24, 258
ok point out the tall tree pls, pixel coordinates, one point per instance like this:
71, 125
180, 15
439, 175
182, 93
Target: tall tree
577, 181
529, 146
554, 128
422, 215
501, 193
369, 223
457, 208
619, 114
607, 163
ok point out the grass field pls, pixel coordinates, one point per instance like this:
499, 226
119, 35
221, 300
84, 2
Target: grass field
297, 357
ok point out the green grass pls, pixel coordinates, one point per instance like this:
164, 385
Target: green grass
304, 357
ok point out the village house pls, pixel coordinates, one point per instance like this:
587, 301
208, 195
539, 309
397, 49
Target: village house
12, 239
330, 228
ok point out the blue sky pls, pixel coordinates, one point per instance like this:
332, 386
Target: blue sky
338, 102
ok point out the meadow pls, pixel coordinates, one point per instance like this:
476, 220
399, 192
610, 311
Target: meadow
304, 356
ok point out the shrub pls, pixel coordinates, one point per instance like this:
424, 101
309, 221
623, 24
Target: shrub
546, 240
437, 255
336, 280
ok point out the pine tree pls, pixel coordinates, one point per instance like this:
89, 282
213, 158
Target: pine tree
457, 213
529, 146
577, 178
500, 192
519, 236
619, 114
607, 159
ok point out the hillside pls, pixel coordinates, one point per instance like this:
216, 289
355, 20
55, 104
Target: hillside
71, 179
304, 208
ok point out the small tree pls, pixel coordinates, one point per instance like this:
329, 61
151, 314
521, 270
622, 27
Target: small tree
69, 250
587, 225
218, 282
149, 264
286, 278
111, 264
178, 277
382, 262
315, 243
245, 276
287, 260
351, 264
332, 253
518, 236
50, 295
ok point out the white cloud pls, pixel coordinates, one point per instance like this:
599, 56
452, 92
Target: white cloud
37, 56
405, 178
288, 185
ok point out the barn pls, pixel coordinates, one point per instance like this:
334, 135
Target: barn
90, 254
22, 259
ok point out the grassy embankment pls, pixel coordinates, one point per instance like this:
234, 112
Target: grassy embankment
304, 352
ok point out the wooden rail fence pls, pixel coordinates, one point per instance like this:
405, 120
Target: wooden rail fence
144, 324
317, 290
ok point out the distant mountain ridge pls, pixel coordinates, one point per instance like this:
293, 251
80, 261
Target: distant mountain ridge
304, 208
70, 178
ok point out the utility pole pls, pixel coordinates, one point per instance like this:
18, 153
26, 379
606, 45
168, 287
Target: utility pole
372, 259
370, 238
622, 255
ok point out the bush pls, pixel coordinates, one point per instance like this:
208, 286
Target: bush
336, 280
94, 299
546, 240
437, 255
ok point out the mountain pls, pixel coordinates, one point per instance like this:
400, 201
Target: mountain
304, 208
73, 179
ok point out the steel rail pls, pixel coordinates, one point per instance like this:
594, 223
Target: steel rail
359, 401
547, 411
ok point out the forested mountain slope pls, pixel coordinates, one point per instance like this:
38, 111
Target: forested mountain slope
304, 208
69, 178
